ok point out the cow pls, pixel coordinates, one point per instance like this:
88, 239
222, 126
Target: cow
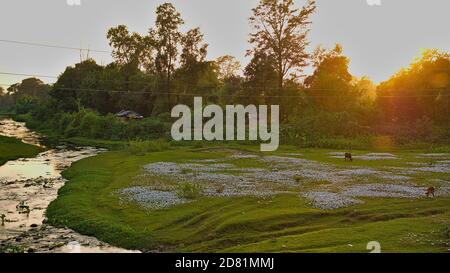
430, 191
348, 157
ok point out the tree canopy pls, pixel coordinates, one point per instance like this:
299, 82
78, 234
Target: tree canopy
152, 72
280, 32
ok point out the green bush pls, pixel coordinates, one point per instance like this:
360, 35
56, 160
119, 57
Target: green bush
89, 124
26, 104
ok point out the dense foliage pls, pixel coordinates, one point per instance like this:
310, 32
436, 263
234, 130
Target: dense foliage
153, 72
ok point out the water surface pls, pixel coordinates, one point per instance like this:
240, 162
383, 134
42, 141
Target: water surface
28, 185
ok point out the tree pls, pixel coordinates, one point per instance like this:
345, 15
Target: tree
331, 83
130, 49
167, 38
194, 49
71, 90
331, 62
227, 66
24, 97
421, 90
366, 90
261, 76
280, 32
3, 101
195, 75
32, 88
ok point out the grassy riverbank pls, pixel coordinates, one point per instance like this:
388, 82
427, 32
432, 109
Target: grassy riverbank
90, 204
12, 148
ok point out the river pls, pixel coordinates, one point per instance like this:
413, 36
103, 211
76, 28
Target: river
27, 186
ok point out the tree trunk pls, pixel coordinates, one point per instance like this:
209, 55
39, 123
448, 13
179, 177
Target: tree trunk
168, 90
280, 82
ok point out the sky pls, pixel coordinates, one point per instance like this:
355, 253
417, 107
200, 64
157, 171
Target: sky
379, 39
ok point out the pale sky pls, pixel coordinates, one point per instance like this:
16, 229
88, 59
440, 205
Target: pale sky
378, 39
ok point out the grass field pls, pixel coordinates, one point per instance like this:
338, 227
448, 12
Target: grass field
282, 222
12, 148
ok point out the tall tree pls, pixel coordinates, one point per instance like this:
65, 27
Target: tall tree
194, 49
71, 89
227, 66
280, 31
31, 87
261, 76
129, 48
195, 73
331, 83
167, 37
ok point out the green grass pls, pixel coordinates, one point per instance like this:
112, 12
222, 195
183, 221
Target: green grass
12, 148
99, 143
142, 147
283, 223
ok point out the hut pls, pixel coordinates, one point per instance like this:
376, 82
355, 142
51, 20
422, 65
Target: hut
129, 115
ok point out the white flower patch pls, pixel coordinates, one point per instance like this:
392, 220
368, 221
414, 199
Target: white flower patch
151, 199
329, 200
385, 190
366, 157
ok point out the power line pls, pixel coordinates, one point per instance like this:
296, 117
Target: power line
110, 52
221, 95
56, 77
53, 46
27, 75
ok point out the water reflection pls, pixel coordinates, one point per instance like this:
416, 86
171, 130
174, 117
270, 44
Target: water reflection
11, 128
27, 186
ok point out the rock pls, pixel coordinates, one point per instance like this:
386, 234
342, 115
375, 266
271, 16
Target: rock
33, 225
30, 250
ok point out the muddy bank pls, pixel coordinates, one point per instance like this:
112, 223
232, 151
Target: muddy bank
49, 239
29, 185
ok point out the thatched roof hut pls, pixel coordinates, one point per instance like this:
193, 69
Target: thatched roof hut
127, 114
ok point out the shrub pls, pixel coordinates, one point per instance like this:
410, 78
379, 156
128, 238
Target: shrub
90, 124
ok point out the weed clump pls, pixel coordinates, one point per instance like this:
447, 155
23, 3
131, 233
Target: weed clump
189, 190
